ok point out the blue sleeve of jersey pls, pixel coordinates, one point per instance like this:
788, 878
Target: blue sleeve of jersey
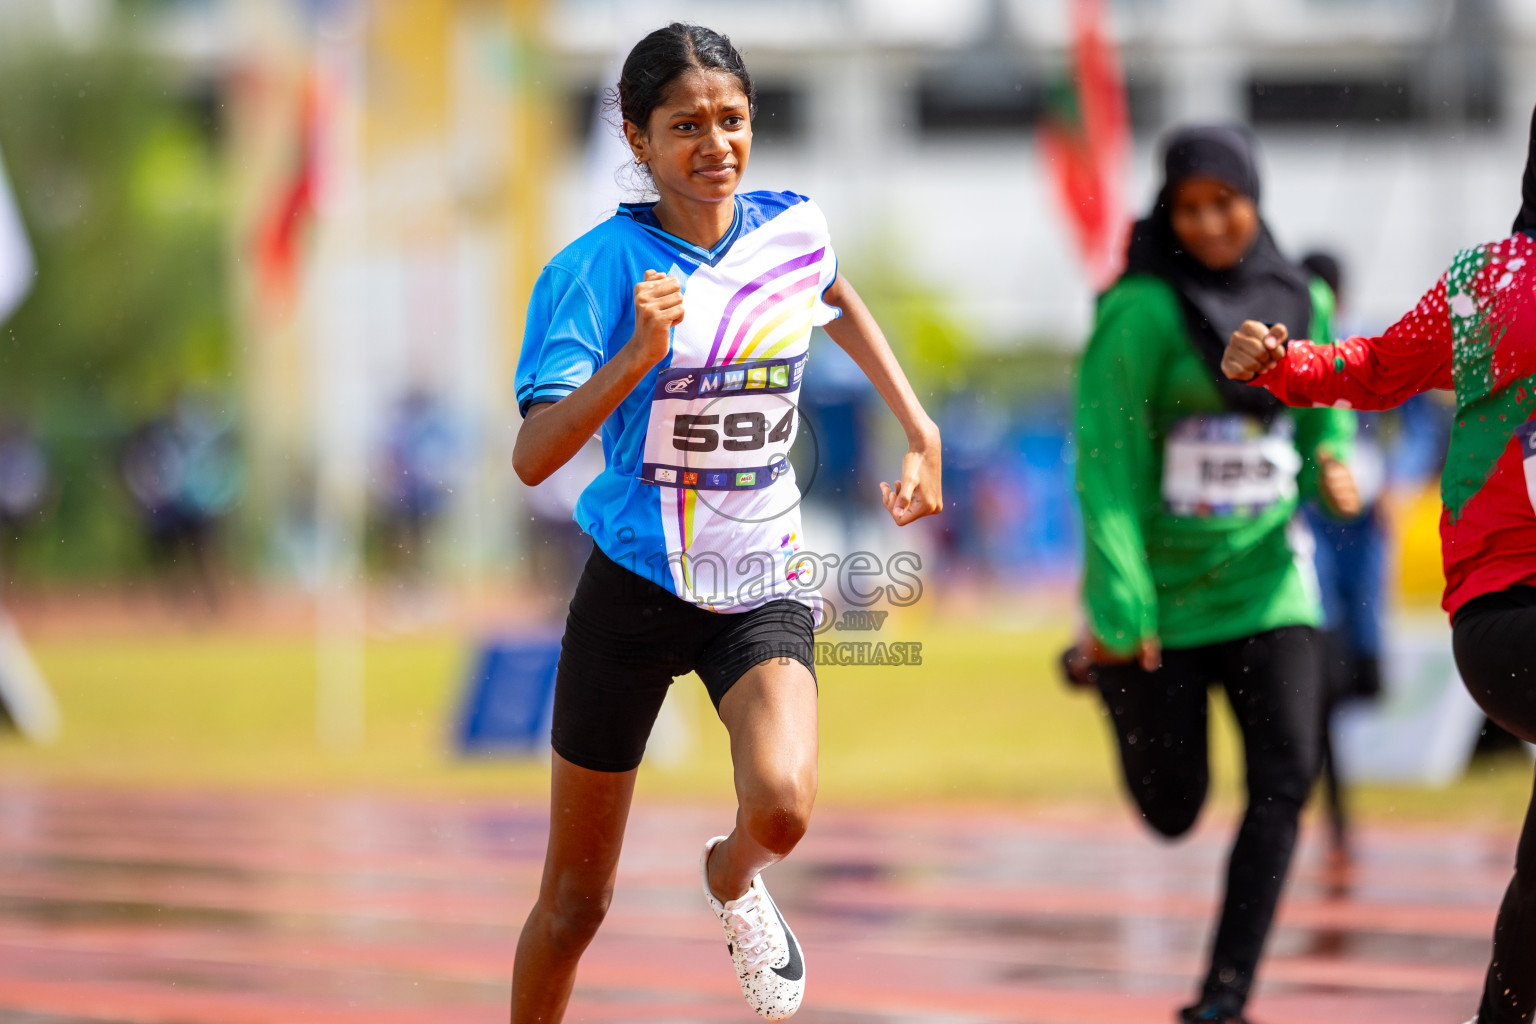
823, 313
562, 340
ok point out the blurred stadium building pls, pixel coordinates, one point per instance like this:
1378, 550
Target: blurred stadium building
1390, 127
401, 170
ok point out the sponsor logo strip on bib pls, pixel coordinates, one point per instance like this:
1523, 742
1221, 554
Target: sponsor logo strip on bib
753, 478
767, 377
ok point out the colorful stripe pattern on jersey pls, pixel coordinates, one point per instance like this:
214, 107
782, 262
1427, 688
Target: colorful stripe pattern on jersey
1474, 332
697, 492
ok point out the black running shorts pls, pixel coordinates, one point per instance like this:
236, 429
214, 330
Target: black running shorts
626, 638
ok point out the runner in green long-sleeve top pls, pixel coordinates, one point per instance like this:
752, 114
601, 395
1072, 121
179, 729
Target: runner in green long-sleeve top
1182, 550
1194, 572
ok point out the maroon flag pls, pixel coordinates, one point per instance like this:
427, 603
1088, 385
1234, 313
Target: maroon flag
1086, 139
280, 235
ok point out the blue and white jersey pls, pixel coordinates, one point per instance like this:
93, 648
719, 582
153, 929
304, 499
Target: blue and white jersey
697, 492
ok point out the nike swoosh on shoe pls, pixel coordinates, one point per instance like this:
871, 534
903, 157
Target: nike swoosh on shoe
794, 970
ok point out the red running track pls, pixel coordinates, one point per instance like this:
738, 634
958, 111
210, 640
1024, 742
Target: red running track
170, 908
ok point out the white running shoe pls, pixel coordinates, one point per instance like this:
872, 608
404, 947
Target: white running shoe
764, 950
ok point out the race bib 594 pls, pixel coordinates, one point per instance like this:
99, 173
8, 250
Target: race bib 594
723, 428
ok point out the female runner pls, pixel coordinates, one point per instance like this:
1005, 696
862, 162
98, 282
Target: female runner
694, 515
1188, 486
1474, 332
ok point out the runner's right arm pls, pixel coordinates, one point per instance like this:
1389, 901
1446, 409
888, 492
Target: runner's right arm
1413, 356
920, 491
554, 429
1117, 465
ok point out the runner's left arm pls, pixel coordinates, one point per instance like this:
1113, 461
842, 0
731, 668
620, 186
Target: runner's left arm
920, 491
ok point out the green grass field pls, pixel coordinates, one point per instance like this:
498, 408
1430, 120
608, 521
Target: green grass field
983, 720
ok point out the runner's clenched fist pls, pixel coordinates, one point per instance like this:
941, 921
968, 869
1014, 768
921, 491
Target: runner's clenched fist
1252, 349
658, 309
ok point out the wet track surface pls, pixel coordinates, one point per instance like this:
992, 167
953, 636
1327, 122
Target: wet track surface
239, 909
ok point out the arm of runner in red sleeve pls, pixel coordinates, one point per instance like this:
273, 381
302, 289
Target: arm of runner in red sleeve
1413, 356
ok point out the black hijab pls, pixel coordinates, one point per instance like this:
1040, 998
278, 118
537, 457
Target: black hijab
1527, 220
1264, 285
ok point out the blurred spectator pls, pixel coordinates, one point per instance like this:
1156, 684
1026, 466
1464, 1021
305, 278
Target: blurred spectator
834, 403
974, 436
1350, 558
423, 456
1009, 512
25, 480
557, 548
185, 474
26, 486
1351, 554
1417, 452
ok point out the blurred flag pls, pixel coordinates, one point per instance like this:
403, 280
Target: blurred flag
282, 229
16, 266
1086, 138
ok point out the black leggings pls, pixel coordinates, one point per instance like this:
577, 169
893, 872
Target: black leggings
1495, 640
1273, 682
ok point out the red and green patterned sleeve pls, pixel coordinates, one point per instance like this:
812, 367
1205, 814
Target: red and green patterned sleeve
1413, 356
